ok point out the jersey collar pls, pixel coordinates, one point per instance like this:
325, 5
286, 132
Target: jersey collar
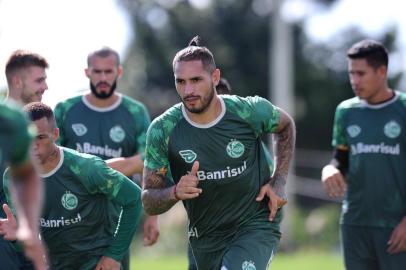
57, 166
210, 124
381, 105
104, 109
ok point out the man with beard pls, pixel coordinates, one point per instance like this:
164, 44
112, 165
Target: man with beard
107, 124
26, 79
206, 151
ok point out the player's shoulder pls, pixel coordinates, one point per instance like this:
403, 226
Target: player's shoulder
10, 110
170, 116
73, 156
402, 97
351, 103
69, 102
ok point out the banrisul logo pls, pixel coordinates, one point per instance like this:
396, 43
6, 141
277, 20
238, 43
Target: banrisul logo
248, 265
69, 201
392, 129
353, 131
117, 134
188, 155
235, 149
79, 129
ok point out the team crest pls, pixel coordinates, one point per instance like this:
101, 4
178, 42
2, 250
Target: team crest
235, 149
248, 265
117, 134
353, 131
188, 155
392, 129
79, 129
69, 201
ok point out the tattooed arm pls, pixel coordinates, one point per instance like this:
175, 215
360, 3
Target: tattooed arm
156, 198
284, 143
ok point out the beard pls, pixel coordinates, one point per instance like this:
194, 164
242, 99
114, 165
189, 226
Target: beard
103, 95
206, 100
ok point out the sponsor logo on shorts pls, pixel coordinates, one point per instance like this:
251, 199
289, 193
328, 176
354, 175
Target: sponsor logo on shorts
235, 148
188, 155
353, 131
248, 265
392, 129
69, 201
79, 129
117, 134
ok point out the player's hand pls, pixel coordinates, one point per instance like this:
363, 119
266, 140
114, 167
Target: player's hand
275, 201
397, 241
107, 263
151, 230
333, 181
187, 186
8, 225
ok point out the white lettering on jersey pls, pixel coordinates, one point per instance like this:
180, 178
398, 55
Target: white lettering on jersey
221, 174
382, 148
56, 223
98, 150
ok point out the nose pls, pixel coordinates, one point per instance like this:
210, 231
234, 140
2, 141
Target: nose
189, 89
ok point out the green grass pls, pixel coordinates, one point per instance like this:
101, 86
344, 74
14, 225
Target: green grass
305, 260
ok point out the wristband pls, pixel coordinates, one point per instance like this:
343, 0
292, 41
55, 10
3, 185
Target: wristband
174, 193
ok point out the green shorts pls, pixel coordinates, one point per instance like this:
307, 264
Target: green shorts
364, 248
252, 247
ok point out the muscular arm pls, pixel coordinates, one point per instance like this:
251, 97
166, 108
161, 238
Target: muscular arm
284, 143
127, 166
156, 198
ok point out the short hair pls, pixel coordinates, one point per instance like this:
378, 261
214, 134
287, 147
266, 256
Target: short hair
21, 59
372, 51
223, 87
103, 52
196, 52
39, 110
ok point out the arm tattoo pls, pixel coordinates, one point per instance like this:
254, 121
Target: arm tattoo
156, 197
284, 143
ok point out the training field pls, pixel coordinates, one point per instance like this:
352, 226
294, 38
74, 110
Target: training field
302, 260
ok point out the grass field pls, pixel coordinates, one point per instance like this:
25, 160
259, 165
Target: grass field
309, 260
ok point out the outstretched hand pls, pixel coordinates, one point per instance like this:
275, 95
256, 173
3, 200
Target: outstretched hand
186, 188
275, 201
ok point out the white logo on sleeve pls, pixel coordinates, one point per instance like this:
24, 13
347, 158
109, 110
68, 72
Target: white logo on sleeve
248, 265
188, 155
353, 131
79, 129
117, 134
235, 148
392, 129
69, 201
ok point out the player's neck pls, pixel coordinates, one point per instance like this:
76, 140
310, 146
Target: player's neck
101, 103
52, 161
212, 112
14, 95
382, 96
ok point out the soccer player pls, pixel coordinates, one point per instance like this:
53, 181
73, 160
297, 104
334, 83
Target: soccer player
107, 124
369, 161
26, 79
80, 188
210, 146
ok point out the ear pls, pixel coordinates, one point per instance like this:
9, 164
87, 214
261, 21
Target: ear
56, 134
215, 76
119, 71
16, 81
87, 72
382, 71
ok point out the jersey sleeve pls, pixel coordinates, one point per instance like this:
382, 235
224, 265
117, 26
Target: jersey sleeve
339, 138
121, 190
143, 120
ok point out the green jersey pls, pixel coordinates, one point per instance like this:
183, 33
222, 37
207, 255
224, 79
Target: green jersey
15, 140
232, 169
74, 222
376, 178
115, 131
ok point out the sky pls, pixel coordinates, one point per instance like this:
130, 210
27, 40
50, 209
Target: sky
66, 31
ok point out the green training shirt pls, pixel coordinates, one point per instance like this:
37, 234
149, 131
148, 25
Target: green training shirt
115, 131
75, 223
376, 138
15, 140
233, 166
